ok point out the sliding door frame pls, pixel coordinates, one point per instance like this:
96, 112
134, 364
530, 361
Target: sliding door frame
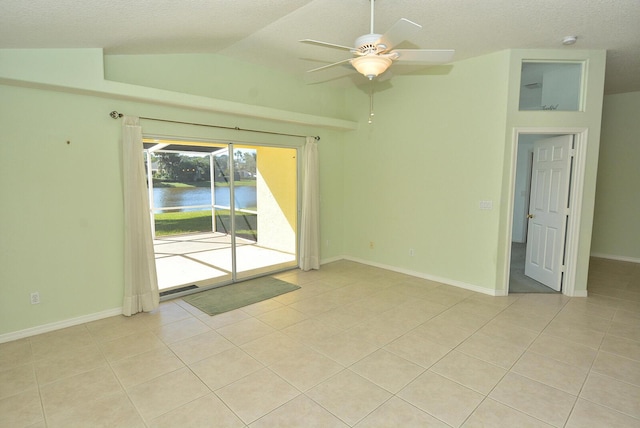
231, 147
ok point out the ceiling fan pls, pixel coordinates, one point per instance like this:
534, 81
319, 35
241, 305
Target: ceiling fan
373, 53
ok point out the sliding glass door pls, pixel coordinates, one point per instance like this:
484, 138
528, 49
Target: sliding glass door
220, 212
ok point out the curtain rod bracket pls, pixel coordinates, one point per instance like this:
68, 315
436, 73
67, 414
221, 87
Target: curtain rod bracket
115, 115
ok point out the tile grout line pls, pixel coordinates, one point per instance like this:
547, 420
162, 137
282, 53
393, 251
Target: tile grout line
599, 351
509, 370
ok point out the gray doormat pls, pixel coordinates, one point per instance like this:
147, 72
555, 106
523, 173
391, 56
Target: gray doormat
234, 296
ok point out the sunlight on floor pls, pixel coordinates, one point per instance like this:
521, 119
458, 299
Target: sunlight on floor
205, 258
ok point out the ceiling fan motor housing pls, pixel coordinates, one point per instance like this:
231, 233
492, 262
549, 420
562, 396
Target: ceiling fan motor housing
367, 44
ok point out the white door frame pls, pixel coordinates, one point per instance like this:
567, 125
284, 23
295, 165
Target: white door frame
576, 190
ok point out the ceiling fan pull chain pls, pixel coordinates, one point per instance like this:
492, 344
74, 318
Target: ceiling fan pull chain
371, 102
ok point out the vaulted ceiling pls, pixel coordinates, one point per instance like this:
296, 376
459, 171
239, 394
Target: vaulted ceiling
267, 32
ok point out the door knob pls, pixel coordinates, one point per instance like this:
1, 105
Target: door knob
529, 215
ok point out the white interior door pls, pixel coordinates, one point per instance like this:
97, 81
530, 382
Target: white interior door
548, 210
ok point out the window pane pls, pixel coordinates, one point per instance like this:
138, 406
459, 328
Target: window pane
551, 86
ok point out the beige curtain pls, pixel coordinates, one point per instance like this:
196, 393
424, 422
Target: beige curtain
140, 277
310, 221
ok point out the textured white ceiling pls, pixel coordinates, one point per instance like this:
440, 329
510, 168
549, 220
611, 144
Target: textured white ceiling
267, 32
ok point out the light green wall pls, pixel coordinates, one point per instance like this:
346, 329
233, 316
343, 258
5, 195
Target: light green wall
616, 230
414, 177
61, 223
224, 78
81, 71
440, 143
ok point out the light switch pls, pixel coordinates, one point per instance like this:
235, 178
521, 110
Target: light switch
486, 205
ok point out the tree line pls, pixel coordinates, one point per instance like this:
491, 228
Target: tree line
178, 167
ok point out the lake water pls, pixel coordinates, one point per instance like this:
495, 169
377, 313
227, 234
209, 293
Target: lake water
188, 196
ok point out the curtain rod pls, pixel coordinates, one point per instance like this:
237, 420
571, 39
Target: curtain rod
115, 115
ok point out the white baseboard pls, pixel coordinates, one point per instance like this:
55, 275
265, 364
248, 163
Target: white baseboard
8, 337
446, 281
332, 259
614, 257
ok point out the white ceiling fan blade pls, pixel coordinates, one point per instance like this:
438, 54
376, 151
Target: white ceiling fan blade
329, 65
325, 44
423, 56
402, 30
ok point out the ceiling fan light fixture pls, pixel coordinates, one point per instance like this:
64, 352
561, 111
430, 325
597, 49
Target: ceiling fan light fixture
371, 66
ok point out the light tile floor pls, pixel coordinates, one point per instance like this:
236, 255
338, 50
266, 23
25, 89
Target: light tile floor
355, 346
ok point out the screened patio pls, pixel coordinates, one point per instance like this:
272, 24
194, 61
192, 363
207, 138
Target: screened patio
205, 259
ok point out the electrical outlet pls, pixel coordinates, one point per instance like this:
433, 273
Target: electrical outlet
411, 252
35, 298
